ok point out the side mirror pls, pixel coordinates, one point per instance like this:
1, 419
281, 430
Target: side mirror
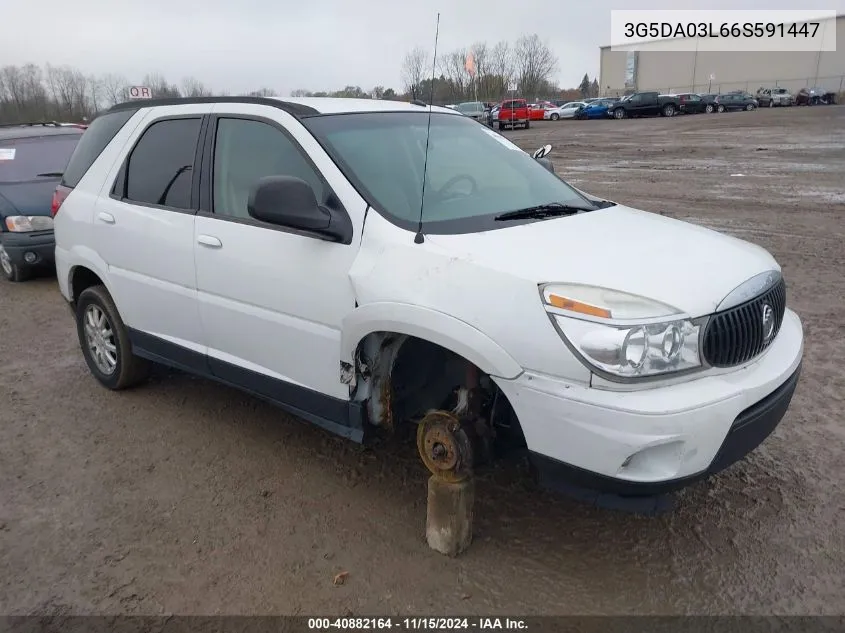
543, 151
290, 202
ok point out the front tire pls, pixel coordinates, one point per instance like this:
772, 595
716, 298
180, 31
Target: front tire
709, 108
527, 124
619, 113
555, 116
721, 108
668, 110
13, 272
105, 341
749, 107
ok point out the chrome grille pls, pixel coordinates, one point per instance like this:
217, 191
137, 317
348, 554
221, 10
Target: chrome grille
737, 335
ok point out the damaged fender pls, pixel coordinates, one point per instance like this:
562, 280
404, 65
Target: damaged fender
430, 325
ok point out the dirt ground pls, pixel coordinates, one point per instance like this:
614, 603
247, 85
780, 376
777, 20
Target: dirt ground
183, 496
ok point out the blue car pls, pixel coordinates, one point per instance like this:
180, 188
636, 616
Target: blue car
596, 110
32, 159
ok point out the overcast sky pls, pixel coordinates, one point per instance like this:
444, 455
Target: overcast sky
241, 45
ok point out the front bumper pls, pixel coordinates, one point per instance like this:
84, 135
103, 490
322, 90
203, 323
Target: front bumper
654, 440
42, 244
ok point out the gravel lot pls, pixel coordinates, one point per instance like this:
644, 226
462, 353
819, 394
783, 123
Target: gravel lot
184, 496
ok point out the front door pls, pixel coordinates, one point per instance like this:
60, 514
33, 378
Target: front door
272, 300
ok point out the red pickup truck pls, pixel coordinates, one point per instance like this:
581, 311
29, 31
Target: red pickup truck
514, 112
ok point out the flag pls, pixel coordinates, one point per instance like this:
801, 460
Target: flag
469, 65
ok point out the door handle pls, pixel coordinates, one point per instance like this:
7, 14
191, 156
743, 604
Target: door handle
108, 218
209, 240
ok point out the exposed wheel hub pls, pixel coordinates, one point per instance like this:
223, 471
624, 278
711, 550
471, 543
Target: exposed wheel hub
444, 447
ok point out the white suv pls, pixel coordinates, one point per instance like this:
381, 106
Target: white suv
290, 248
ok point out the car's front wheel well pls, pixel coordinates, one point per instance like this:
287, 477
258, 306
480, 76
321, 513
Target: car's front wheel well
400, 378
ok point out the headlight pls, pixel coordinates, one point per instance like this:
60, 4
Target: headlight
634, 351
623, 335
27, 223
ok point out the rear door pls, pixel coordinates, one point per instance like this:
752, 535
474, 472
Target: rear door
144, 230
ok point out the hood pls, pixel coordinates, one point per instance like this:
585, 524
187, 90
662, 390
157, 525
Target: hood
674, 262
27, 198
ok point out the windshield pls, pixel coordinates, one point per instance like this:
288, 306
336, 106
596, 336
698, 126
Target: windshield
473, 173
470, 107
25, 159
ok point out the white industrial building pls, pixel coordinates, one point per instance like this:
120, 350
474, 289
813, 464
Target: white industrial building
654, 67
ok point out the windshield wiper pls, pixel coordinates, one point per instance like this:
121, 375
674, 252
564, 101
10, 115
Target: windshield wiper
50, 174
541, 211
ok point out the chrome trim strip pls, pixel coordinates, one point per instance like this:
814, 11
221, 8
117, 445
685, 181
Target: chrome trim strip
750, 289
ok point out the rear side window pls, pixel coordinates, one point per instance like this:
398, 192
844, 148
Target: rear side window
160, 168
35, 158
94, 141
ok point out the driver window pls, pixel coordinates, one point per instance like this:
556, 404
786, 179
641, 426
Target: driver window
247, 150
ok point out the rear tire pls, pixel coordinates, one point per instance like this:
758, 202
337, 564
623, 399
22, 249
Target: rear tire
721, 108
501, 126
668, 110
105, 341
527, 124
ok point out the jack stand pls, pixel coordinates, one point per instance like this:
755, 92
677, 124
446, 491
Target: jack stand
448, 521
446, 451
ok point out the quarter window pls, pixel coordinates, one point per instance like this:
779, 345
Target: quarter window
160, 168
246, 151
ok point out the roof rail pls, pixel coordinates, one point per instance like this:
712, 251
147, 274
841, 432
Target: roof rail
296, 109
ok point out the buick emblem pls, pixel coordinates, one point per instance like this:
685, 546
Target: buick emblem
768, 322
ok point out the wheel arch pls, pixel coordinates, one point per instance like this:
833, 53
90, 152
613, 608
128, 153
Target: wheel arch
430, 325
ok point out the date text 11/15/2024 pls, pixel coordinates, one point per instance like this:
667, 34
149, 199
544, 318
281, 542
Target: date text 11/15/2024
416, 624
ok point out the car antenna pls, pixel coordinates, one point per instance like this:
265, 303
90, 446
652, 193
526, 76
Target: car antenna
418, 238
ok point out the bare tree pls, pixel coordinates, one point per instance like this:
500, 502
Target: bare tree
193, 87
414, 68
159, 87
534, 62
115, 89
501, 68
266, 92
300, 92
377, 92
453, 68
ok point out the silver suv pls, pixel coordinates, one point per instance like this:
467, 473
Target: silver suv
770, 97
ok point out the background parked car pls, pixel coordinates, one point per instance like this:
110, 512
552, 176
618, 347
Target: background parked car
472, 109
514, 112
735, 101
771, 97
690, 103
570, 110
815, 96
537, 111
597, 109
645, 104
32, 159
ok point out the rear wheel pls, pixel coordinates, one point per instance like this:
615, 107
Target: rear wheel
527, 124
771, 104
105, 341
721, 108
